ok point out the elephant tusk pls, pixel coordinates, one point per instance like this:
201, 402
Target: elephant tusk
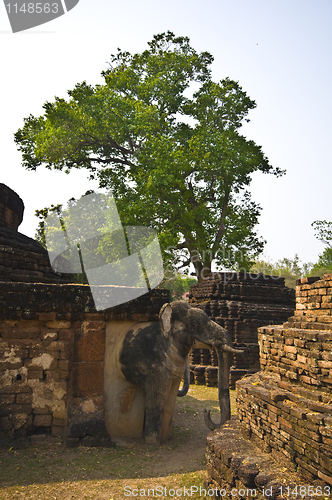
185, 388
223, 388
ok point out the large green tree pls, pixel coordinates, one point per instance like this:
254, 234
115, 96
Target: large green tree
164, 138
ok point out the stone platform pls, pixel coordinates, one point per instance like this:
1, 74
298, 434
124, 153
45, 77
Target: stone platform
236, 468
285, 410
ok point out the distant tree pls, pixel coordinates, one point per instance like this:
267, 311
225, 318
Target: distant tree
323, 233
63, 215
42, 215
87, 234
290, 269
175, 163
177, 284
324, 264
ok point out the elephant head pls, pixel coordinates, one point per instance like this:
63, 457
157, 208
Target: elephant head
189, 327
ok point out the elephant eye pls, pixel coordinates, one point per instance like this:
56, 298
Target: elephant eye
181, 326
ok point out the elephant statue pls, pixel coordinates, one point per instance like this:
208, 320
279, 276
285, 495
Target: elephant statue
145, 362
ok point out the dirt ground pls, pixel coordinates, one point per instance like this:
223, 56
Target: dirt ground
48, 470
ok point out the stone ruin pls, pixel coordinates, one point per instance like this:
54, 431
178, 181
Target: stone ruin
52, 342
22, 259
285, 410
52, 345
240, 302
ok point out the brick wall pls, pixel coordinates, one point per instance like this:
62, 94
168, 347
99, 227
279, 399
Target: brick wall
240, 302
286, 408
52, 345
313, 304
52, 340
23, 259
235, 469
295, 422
35, 359
302, 356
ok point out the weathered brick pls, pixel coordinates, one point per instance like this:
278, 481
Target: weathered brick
46, 316
35, 375
60, 422
17, 333
299, 343
28, 324
326, 463
24, 398
6, 424
48, 335
87, 378
6, 399
64, 354
18, 408
28, 363
301, 359
324, 364
53, 375
59, 325
41, 411
63, 364
66, 335
57, 431
90, 347
325, 477
42, 420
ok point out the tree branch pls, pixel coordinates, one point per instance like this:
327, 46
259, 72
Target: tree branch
185, 263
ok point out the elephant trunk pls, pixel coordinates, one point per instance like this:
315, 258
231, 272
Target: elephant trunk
182, 392
224, 363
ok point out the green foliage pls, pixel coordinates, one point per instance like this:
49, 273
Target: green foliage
324, 264
65, 221
93, 236
42, 215
323, 231
324, 260
293, 269
290, 269
175, 163
177, 284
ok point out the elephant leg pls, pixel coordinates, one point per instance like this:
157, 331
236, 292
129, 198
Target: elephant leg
166, 426
156, 395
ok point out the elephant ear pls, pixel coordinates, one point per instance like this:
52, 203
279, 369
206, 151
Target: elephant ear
165, 316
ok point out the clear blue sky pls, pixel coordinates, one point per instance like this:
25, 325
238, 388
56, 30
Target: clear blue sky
279, 51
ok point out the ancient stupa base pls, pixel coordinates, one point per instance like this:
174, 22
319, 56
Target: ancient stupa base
240, 302
285, 410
